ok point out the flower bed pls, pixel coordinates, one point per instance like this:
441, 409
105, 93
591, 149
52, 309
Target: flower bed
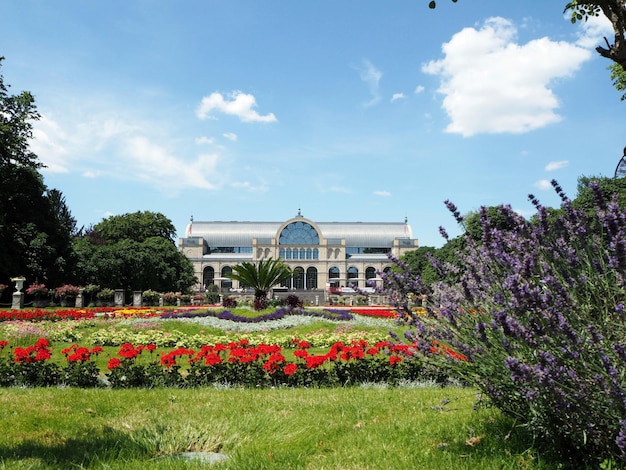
375, 312
50, 315
240, 364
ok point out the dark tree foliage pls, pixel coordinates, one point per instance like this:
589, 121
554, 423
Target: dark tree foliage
36, 225
16, 115
134, 252
138, 226
422, 261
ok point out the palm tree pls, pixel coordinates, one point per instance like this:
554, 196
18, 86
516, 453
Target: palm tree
261, 277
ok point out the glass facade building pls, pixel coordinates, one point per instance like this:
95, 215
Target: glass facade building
322, 255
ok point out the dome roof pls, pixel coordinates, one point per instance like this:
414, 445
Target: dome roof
355, 234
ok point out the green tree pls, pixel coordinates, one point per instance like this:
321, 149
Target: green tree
16, 115
138, 226
35, 223
261, 276
423, 261
618, 75
134, 252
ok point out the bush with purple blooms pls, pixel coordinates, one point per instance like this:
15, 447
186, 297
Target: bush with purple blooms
538, 309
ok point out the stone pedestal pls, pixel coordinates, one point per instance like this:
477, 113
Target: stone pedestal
137, 298
80, 300
18, 300
118, 298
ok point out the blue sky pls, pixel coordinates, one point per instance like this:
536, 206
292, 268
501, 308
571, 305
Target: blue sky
354, 110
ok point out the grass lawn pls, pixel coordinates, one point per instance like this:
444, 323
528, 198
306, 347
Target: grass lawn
412, 427
340, 428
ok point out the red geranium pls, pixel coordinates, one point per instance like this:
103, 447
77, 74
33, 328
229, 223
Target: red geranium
113, 363
290, 369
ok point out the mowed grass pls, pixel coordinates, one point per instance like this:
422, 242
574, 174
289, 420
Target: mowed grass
340, 428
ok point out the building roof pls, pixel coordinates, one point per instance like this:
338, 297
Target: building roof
355, 234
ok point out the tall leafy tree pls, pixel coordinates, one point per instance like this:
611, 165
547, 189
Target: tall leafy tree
135, 252
261, 276
35, 223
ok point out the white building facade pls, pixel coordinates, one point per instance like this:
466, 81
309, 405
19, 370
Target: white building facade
322, 255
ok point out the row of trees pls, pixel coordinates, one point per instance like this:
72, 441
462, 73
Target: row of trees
39, 238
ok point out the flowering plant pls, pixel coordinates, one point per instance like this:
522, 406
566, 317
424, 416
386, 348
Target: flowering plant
537, 308
37, 289
170, 298
151, 297
105, 294
67, 290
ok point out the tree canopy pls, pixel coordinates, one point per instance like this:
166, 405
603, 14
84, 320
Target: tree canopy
36, 225
135, 252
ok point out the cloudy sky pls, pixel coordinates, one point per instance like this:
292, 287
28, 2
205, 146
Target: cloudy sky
359, 110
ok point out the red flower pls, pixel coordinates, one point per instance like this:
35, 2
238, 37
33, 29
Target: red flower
22, 354
394, 360
42, 343
301, 353
168, 360
43, 355
313, 362
3, 344
113, 363
212, 359
290, 369
127, 351
66, 351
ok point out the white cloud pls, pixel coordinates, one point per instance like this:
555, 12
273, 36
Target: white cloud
382, 193
419, 89
397, 96
593, 31
371, 76
205, 140
556, 165
50, 144
240, 105
230, 136
494, 85
543, 185
151, 162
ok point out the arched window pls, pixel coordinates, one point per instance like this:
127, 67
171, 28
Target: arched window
309, 253
353, 274
226, 283
311, 278
282, 253
370, 272
333, 273
298, 278
288, 253
299, 233
316, 253
302, 253
208, 274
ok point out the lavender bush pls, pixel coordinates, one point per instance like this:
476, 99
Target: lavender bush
538, 310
